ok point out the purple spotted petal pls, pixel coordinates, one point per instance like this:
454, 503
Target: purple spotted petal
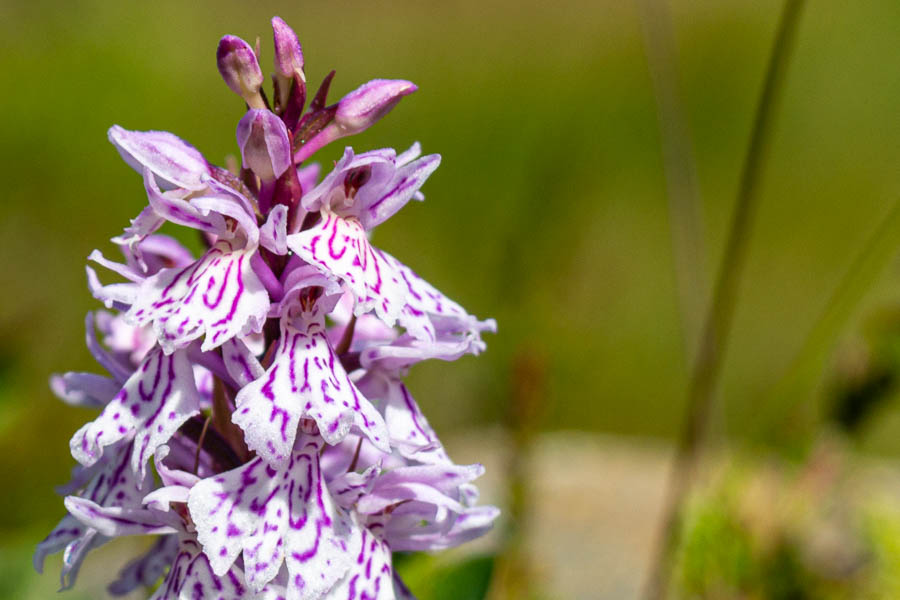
145, 570
427, 312
150, 407
339, 247
272, 516
371, 574
240, 362
349, 487
408, 428
218, 295
191, 578
305, 379
110, 482
174, 162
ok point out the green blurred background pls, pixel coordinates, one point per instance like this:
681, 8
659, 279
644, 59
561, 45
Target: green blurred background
549, 211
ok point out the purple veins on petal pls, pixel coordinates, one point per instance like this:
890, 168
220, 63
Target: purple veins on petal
285, 516
339, 248
300, 383
161, 385
218, 295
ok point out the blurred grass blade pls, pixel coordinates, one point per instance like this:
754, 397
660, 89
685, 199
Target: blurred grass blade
717, 326
685, 211
865, 270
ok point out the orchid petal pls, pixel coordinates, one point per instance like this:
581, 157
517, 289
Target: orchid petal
305, 379
84, 389
273, 516
180, 211
218, 295
339, 247
174, 162
115, 521
409, 430
243, 367
371, 574
152, 405
273, 234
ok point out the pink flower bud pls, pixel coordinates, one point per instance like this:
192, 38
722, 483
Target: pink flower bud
240, 69
361, 108
288, 53
265, 145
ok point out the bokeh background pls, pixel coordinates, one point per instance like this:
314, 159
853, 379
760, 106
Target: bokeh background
551, 213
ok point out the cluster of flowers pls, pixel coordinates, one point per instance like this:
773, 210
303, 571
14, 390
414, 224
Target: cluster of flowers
264, 379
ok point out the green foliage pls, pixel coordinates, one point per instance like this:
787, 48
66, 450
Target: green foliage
430, 579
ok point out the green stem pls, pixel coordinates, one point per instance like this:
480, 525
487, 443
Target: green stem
707, 366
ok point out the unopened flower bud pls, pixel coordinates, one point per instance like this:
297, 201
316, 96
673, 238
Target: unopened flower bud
240, 69
265, 145
288, 53
361, 108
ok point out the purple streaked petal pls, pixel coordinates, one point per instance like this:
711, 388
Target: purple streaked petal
142, 226
150, 407
108, 483
348, 487
191, 578
218, 295
229, 206
408, 428
116, 521
174, 162
305, 379
175, 209
171, 476
273, 516
339, 247
375, 208
242, 365
409, 155
427, 313
371, 574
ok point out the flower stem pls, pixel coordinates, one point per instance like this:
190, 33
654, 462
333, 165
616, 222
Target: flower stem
707, 365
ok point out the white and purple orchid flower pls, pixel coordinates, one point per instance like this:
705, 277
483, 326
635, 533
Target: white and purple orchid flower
264, 378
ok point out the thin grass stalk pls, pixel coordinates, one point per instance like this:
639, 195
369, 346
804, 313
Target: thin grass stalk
713, 343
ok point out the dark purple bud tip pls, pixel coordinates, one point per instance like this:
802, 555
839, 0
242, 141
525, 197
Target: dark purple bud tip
288, 53
265, 145
240, 69
361, 108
